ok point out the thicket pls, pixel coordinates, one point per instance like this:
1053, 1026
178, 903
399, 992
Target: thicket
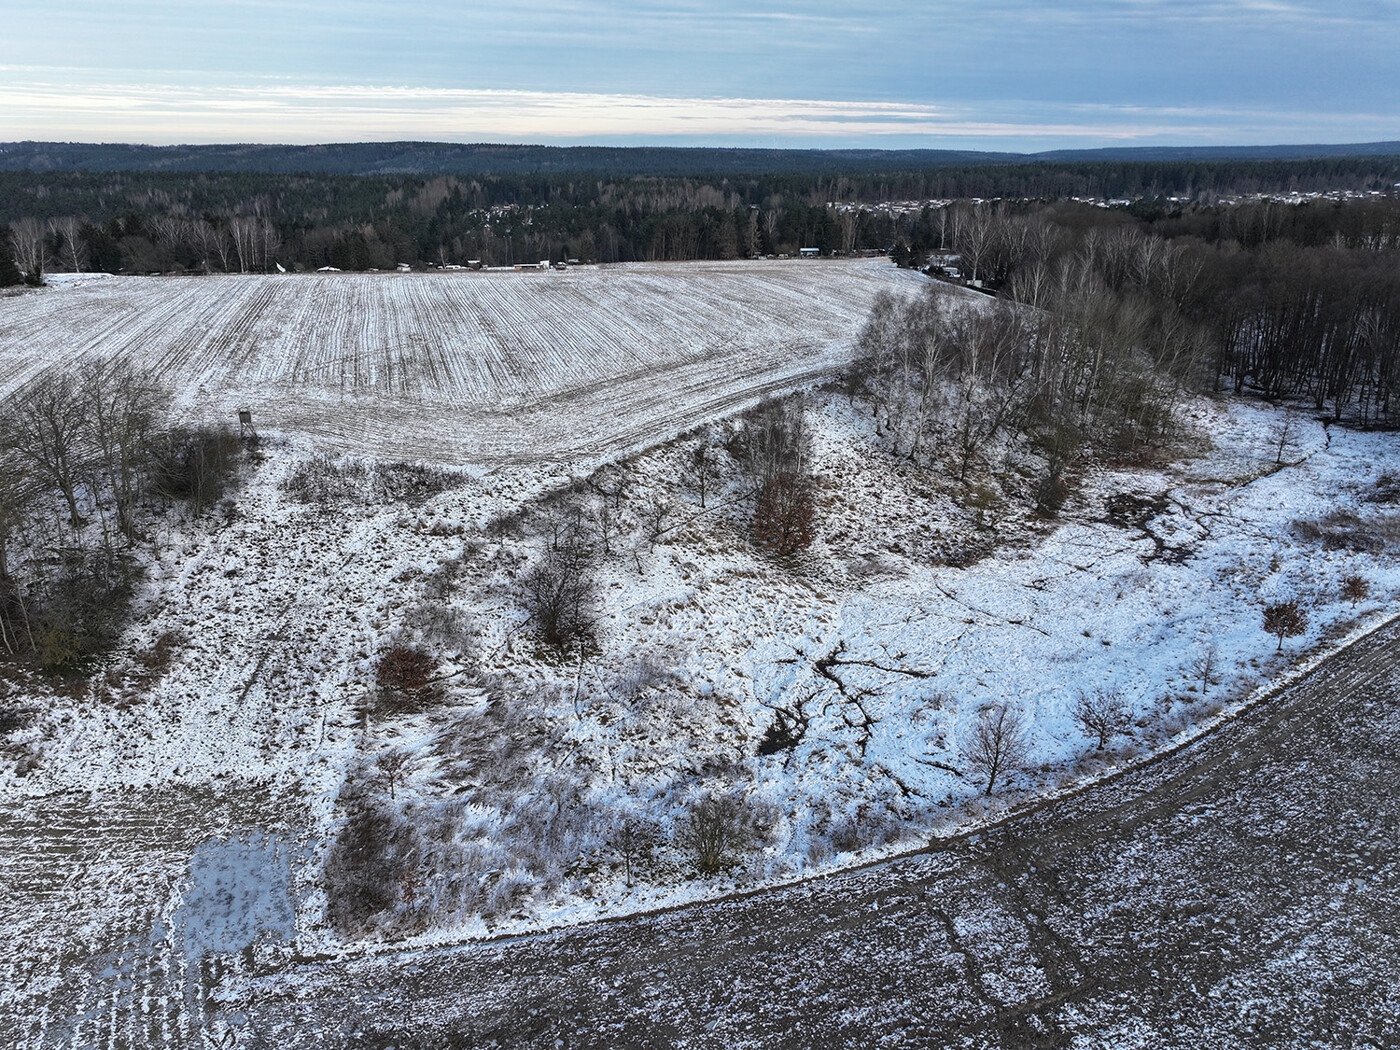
1289, 302
85, 465
773, 448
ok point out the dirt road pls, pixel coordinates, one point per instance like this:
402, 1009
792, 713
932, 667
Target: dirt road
1241, 892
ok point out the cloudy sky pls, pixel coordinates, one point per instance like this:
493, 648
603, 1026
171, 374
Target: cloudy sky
994, 74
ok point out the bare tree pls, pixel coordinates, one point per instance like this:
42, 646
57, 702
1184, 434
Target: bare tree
29, 239
658, 513
633, 839
69, 232
703, 469
713, 832
1286, 620
560, 593
121, 405
1206, 667
393, 767
978, 228
1284, 436
998, 743
1355, 589
45, 427
1101, 715
243, 232
774, 440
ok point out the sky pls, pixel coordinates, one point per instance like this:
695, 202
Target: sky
1017, 75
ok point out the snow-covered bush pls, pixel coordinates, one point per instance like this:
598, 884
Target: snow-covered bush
367, 872
715, 833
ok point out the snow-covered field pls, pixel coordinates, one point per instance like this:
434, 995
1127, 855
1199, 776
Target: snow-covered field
463, 367
916, 607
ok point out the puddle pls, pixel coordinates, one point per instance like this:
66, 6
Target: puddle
239, 891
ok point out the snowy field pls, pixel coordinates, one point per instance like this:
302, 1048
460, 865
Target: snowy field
217, 747
463, 367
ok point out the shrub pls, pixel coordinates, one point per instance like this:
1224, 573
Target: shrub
81, 609
1051, 494
324, 482
404, 675
194, 466
366, 871
784, 515
560, 595
715, 832
411, 483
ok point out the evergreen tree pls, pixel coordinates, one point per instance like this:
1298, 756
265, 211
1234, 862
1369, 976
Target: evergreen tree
9, 272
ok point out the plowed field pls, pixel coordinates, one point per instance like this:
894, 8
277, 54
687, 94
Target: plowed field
472, 368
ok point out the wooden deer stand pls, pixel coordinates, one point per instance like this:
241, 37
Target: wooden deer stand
245, 424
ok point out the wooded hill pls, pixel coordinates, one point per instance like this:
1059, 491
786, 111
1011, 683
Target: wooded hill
446, 158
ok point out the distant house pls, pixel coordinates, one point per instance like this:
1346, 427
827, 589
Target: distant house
328, 269
809, 253
404, 268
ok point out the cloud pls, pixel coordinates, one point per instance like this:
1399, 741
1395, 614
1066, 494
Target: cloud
298, 113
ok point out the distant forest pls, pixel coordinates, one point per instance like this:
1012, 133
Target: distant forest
172, 220
450, 158
1187, 263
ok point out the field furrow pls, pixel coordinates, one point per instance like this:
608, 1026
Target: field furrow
473, 368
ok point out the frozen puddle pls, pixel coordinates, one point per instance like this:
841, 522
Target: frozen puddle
127, 912
239, 892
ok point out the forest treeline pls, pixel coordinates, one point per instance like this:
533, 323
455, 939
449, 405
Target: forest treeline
1104, 319
142, 222
89, 467
1289, 300
486, 158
